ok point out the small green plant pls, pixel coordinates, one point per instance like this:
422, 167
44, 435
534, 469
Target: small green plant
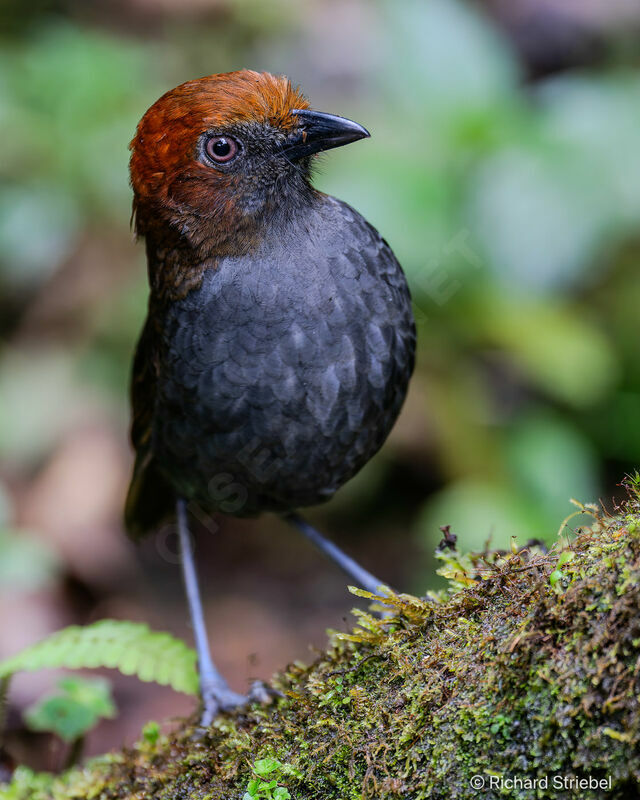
557, 576
151, 732
457, 568
72, 711
266, 785
632, 484
129, 647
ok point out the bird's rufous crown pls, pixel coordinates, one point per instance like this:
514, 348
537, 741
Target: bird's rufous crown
167, 135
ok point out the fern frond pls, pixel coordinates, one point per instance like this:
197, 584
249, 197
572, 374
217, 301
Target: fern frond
130, 647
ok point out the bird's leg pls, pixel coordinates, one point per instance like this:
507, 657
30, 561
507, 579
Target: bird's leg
360, 576
216, 694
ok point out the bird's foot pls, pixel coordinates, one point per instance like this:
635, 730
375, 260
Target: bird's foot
263, 694
218, 697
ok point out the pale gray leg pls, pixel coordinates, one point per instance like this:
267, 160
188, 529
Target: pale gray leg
215, 692
360, 576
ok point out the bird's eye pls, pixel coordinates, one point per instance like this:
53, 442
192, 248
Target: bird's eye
221, 149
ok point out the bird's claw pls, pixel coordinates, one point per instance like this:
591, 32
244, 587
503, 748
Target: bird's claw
217, 698
260, 692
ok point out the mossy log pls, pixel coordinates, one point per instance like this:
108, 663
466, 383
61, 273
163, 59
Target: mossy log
522, 683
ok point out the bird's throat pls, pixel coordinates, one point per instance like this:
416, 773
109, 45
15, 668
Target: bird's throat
182, 247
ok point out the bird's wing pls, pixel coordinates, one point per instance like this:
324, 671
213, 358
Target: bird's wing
144, 378
150, 498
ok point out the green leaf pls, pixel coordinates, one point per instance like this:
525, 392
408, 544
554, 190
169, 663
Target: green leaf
129, 647
62, 716
556, 576
281, 794
74, 710
565, 557
265, 766
94, 693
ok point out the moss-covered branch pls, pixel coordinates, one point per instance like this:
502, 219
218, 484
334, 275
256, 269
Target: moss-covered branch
530, 672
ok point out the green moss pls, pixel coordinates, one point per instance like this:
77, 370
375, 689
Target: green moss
511, 675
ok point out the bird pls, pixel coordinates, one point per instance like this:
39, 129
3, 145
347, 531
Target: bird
279, 339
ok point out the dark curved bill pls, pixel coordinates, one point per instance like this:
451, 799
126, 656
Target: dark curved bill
319, 131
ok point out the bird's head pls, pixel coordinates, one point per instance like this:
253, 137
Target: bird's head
217, 153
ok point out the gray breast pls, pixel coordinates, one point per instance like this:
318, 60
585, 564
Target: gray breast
284, 372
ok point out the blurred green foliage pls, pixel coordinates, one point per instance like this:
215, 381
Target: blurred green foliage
74, 709
513, 208
69, 102
24, 562
130, 647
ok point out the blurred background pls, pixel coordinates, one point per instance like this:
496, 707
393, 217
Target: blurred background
504, 169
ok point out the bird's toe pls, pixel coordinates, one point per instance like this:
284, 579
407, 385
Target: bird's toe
218, 698
260, 692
